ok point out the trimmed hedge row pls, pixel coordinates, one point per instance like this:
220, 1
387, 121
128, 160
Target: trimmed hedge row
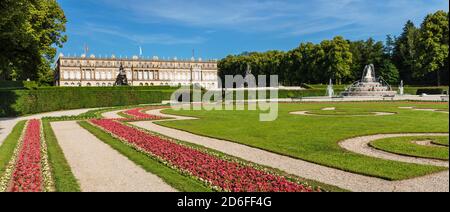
24, 102
11, 84
121, 88
430, 91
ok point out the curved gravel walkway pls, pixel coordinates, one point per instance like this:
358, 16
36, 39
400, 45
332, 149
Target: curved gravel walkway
438, 182
427, 143
361, 145
424, 109
98, 167
307, 113
7, 124
113, 114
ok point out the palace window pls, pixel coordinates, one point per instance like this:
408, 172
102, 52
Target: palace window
87, 75
146, 75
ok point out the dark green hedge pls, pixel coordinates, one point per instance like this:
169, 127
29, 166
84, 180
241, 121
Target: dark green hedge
11, 84
430, 91
23, 102
283, 94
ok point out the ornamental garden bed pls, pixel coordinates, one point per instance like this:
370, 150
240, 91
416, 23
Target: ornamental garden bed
28, 169
218, 172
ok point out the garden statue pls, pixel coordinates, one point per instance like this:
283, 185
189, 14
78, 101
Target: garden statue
121, 77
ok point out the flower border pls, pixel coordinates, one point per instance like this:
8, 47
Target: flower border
304, 186
5, 180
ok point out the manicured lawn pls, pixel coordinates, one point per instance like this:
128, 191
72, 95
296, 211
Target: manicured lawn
170, 176
441, 141
9, 145
405, 146
315, 138
64, 179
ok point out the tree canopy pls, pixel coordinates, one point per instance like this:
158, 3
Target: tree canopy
417, 56
30, 31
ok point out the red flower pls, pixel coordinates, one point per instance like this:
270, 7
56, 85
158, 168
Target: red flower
138, 114
227, 175
27, 176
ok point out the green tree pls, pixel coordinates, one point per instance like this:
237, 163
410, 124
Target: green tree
389, 72
338, 58
30, 31
405, 54
433, 46
365, 53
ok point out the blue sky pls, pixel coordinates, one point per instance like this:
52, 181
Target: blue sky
217, 28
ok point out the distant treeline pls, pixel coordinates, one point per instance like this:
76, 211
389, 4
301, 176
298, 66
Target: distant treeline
418, 56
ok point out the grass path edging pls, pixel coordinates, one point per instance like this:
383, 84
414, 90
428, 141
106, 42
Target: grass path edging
63, 176
385, 147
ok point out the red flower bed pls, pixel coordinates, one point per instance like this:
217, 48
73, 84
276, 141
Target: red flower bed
27, 176
138, 114
227, 175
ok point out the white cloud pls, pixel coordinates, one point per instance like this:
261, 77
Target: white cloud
285, 17
139, 38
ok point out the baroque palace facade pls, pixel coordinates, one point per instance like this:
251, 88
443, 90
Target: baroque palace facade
92, 71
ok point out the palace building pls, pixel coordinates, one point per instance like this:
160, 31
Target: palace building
92, 71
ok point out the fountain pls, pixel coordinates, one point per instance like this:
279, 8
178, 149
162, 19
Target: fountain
330, 90
369, 85
401, 89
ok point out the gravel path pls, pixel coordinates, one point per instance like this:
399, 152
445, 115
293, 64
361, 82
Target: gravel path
424, 109
346, 180
7, 124
98, 167
113, 114
361, 145
427, 143
307, 113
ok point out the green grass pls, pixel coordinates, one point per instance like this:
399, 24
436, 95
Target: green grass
9, 145
315, 138
170, 176
64, 179
405, 146
340, 113
441, 141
